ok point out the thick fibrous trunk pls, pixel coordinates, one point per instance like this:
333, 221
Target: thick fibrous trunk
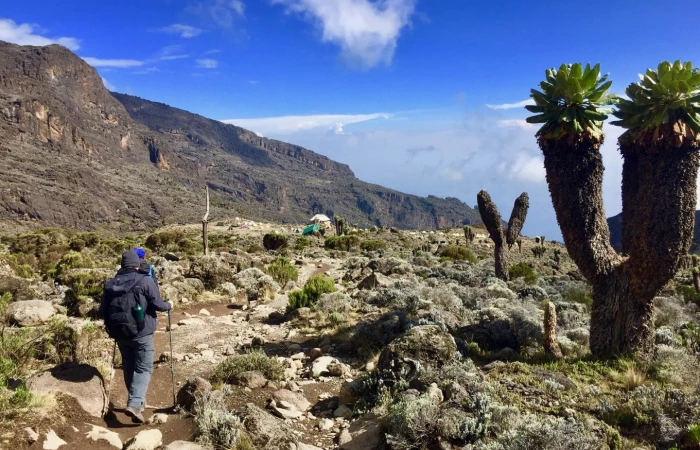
551, 343
492, 220
658, 196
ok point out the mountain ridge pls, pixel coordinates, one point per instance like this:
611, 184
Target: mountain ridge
78, 155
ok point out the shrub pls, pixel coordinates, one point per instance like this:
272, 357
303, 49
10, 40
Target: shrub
71, 260
312, 291
302, 242
77, 244
457, 253
164, 240
215, 425
255, 248
344, 243
21, 270
688, 293
412, 423
257, 360
372, 245
282, 270
274, 241
524, 271
578, 294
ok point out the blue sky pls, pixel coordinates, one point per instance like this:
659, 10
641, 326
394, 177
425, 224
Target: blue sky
421, 96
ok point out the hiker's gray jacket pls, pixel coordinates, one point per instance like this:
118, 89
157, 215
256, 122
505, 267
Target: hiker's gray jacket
146, 292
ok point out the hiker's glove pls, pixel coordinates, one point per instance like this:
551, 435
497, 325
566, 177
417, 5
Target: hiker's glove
172, 304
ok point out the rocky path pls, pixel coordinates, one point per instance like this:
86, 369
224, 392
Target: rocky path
203, 335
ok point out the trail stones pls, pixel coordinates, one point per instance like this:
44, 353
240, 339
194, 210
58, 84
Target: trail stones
299, 401
194, 386
158, 418
80, 381
251, 379
53, 442
145, 440
102, 434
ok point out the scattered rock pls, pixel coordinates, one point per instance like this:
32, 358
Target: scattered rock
375, 281
80, 381
52, 441
338, 369
343, 411
266, 431
207, 353
320, 366
493, 365
298, 400
251, 379
315, 353
165, 357
145, 440
325, 424
171, 257
366, 434
229, 351
32, 436
204, 312
30, 313
102, 434
202, 346
344, 437
294, 348
191, 322
158, 418
193, 386
284, 410
435, 394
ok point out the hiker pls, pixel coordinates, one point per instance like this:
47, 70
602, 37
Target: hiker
129, 305
144, 267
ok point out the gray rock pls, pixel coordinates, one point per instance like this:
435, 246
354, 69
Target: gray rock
29, 313
165, 357
366, 434
32, 436
343, 411
80, 381
102, 434
375, 281
325, 424
251, 379
53, 442
158, 418
315, 353
171, 257
298, 400
193, 386
145, 440
344, 437
320, 366
284, 410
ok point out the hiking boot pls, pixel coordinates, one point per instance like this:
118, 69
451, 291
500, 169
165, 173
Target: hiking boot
135, 415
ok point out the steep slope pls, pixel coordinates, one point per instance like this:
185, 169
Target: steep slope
74, 155
615, 224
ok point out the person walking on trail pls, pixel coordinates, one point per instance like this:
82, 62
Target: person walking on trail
145, 268
129, 305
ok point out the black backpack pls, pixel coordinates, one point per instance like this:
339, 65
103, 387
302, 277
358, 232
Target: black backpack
118, 315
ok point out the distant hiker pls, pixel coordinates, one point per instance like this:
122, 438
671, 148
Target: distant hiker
129, 305
144, 267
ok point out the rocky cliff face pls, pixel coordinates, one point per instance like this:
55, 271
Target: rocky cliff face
615, 224
75, 155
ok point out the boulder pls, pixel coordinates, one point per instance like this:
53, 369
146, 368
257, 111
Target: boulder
211, 271
29, 313
320, 366
284, 410
256, 283
171, 257
426, 345
145, 440
374, 281
296, 399
102, 434
266, 431
365, 434
187, 394
251, 379
80, 381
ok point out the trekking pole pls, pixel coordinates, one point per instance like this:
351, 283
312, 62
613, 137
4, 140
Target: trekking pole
111, 379
172, 363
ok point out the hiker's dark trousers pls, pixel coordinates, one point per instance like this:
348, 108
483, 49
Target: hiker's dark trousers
137, 361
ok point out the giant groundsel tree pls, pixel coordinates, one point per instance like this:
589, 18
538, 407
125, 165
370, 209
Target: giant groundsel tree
660, 152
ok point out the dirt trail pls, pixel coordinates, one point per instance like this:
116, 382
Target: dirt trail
223, 328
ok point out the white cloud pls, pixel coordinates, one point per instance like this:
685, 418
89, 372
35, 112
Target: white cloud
517, 123
222, 12
207, 63
293, 124
185, 31
212, 51
521, 104
366, 31
98, 62
172, 57
109, 86
147, 71
23, 34
526, 167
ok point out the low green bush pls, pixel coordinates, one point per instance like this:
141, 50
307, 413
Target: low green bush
302, 243
274, 241
71, 260
312, 291
257, 360
344, 243
165, 240
688, 293
578, 294
282, 270
372, 245
522, 270
458, 253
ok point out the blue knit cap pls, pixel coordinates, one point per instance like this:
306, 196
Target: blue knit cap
141, 252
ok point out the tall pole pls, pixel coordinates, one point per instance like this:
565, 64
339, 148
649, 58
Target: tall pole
205, 227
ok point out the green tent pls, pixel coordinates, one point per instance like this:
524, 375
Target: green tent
311, 229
